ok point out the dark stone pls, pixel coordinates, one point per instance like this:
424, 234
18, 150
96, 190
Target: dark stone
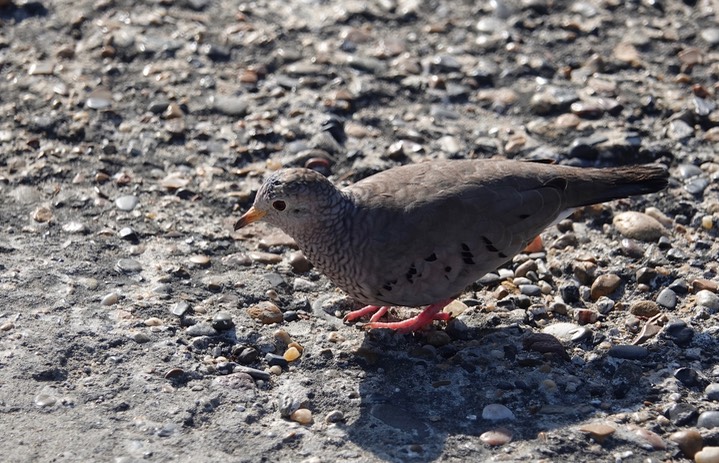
679, 332
570, 293
681, 414
688, 377
274, 359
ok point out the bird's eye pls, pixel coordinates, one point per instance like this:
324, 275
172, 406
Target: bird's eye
279, 205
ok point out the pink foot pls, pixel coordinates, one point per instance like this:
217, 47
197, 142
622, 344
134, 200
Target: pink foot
366, 310
426, 317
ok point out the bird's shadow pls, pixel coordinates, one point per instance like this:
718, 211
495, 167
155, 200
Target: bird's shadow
419, 403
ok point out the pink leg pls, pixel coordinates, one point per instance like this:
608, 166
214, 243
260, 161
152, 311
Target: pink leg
430, 313
366, 310
380, 313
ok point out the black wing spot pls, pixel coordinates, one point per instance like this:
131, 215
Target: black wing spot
411, 273
389, 285
431, 258
467, 256
502, 255
448, 269
488, 244
523, 216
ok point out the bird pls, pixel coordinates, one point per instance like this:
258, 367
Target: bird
417, 235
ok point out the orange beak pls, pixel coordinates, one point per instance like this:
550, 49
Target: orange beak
252, 215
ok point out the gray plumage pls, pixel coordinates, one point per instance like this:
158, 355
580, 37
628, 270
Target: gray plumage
421, 233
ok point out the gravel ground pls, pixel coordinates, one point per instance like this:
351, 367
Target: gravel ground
135, 325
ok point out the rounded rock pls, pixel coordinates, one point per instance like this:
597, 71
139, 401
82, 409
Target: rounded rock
496, 437
712, 391
638, 226
667, 298
707, 299
688, 440
707, 455
302, 416
335, 416
598, 431
645, 309
222, 321
110, 299
605, 285
127, 203
266, 312
292, 354
708, 419
497, 412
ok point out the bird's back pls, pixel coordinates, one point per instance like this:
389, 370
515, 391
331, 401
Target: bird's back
423, 232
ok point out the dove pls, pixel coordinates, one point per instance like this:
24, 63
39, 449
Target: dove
417, 235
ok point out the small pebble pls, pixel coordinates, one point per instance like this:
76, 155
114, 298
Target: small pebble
605, 285
702, 283
497, 412
110, 299
707, 222
604, 305
585, 316
283, 337
638, 226
201, 329
628, 351
654, 440
598, 431
222, 321
174, 373
689, 377
335, 416
200, 260
707, 455
152, 321
681, 414
140, 338
128, 234
708, 419
264, 257
127, 203
274, 359
180, 308
707, 299
301, 416
75, 227
292, 354
128, 266
688, 440
712, 392
45, 400
496, 437
299, 262
265, 312
42, 214
667, 298
530, 290
646, 309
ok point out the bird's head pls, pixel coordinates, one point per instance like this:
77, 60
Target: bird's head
294, 200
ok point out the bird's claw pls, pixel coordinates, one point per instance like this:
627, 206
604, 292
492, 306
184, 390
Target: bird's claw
426, 317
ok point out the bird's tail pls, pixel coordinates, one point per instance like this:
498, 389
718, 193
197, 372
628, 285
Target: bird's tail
600, 185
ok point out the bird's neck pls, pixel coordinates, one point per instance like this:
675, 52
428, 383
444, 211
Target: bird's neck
328, 235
